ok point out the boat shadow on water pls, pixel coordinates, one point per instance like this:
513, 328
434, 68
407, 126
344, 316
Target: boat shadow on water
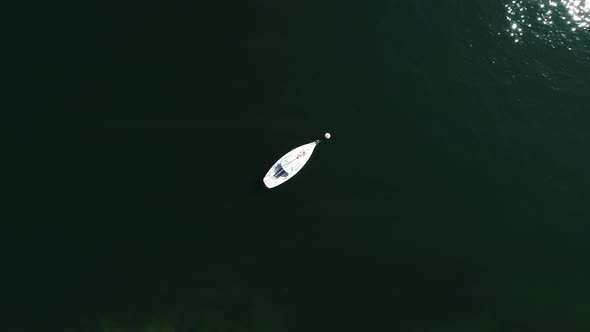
257, 186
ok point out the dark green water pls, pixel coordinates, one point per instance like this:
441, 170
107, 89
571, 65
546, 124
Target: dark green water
452, 197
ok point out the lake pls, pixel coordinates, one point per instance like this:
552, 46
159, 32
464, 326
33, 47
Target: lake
453, 195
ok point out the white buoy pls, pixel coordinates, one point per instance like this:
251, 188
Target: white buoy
327, 135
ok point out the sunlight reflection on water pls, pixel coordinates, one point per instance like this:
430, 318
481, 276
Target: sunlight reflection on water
554, 21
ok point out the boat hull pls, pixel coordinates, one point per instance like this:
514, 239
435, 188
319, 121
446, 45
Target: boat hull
289, 165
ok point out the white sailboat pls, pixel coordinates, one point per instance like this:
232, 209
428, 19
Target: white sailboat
289, 164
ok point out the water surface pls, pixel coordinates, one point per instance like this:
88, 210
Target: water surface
452, 197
